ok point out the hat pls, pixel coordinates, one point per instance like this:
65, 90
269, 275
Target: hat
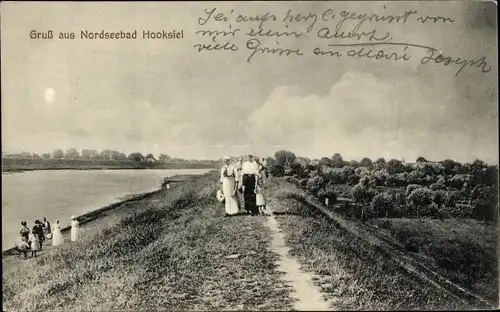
225, 158
73, 217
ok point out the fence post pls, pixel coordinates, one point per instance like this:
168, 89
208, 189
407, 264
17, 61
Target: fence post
326, 201
168, 186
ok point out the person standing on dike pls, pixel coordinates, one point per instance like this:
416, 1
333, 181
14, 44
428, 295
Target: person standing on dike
75, 229
229, 187
250, 171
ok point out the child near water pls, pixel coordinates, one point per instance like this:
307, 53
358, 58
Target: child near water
35, 244
260, 200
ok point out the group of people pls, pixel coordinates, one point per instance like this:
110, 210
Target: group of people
33, 240
247, 178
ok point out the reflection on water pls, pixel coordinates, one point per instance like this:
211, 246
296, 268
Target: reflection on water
59, 194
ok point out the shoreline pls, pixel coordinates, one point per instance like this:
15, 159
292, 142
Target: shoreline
99, 212
20, 170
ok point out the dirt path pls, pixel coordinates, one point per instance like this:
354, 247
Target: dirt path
307, 296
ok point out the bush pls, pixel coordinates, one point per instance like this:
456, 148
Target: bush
328, 191
410, 188
277, 171
315, 184
421, 202
383, 205
363, 193
484, 202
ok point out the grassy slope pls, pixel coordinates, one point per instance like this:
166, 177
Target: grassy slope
168, 256
352, 273
465, 251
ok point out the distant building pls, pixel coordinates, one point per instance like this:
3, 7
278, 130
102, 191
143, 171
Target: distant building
421, 164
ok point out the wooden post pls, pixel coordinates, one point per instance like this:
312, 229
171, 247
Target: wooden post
168, 186
326, 201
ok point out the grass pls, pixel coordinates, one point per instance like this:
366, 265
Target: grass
169, 256
465, 251
351, 272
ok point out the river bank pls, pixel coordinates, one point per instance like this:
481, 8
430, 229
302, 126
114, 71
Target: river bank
20, 165
171, 249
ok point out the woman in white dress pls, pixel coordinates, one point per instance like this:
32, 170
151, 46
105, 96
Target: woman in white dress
75, 229
229, 187
57, 238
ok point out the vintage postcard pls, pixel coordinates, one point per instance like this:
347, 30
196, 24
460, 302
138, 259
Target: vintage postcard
260, 155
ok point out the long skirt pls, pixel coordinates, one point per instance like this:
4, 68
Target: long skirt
57, 238
231, 202
74, 233
249, 193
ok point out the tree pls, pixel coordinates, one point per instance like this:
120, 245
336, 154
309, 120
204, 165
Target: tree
354, 163
35, 156
71, 153
46, 155
325, 161
449, 166
58, 154
380, 163
363, 194
395, 166
89, 154
366, 162
421, 159
383, 204
337, 161
136, 157
150, 158
163, 157
26, 155
421, 202
105, 154
283, 157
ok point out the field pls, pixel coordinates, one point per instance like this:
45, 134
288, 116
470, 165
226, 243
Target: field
13, 164
465, 251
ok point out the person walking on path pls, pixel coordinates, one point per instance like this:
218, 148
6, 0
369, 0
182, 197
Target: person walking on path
75, 229
229, 186
250, 171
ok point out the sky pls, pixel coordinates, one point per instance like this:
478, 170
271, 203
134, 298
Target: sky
162, 96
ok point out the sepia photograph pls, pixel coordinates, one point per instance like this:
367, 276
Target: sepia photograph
249, 155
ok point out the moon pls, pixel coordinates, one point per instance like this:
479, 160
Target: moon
49, 95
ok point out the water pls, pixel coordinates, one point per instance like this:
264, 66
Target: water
59, 194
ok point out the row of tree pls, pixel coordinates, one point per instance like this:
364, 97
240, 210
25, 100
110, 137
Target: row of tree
91, 154
448, 190
393, 166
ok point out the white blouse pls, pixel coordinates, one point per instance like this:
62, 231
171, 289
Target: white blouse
227, 171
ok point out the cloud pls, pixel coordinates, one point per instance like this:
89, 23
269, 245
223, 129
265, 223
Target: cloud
364, 115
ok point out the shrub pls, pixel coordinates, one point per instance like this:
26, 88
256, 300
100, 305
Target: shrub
381, 177
439, 185
383, 204
328, 191
410, 188
421, 202
484, 202
277, 171
363, 193
416, 177
315, 184
458, 180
